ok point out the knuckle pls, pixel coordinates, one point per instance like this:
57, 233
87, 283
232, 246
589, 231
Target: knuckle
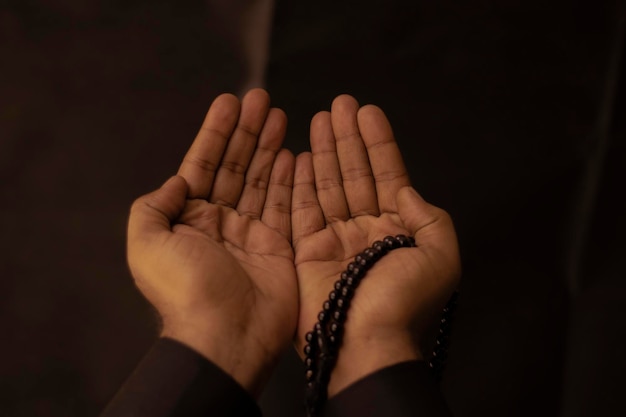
324, 184
204, 164
356, 174
234, 166
389, 176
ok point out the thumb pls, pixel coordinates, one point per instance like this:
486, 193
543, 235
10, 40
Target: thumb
432, 229
414, 211
154, 212
427, 223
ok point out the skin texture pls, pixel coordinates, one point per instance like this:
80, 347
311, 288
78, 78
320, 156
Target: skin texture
238, 251
211, 248
351, 190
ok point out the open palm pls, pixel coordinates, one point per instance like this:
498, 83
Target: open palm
221, 264
351, 191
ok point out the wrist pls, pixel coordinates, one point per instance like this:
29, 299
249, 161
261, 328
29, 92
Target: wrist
230, 350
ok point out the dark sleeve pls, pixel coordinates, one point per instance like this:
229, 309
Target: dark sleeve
173, 380
406, 389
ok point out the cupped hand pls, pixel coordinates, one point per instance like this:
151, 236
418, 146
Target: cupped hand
352, 190
211, 249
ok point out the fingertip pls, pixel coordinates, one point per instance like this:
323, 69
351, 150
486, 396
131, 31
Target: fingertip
374, 124
225, 99
273, 131
176, 184
319, 120
279, 114
343, 102
410, 208
285, 153
285, 161
258, 95
370, 110
304, 166
322, 137
257, 91
303, 156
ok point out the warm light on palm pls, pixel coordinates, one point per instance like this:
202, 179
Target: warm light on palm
350, 191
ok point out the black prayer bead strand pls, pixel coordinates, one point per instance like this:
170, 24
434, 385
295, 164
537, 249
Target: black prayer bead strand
324, 341
442, 343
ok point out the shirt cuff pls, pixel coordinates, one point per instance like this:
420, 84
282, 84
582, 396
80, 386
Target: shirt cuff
404, 389
174, 380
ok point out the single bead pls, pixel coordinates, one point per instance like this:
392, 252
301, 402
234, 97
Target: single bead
322, 317
309, 375
326, 363
412, 240
347, 292
344, 276
343, 303
334, 327
390, 242
358, 272
350, 281
332, 296
371, 254
312, 394
441, 355
444, 323
318, 328
381, 248
441, 342
326, 306
338, 285
403, 240
365, 262
351, 266
333, 339
307, 350
308, 363
338, 330
308, 337
321, 344
339, 316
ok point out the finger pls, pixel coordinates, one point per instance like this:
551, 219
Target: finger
255, 188
201, 161
328, 181
277, 210
432, 228
384, 156
358, 182
306, 213
229, 178
154, 213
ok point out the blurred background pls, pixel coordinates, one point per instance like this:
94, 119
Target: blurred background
510, 114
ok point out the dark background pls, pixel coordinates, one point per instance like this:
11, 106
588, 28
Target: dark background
511, 116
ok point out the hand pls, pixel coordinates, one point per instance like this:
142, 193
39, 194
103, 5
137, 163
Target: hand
351, 191
211, 249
